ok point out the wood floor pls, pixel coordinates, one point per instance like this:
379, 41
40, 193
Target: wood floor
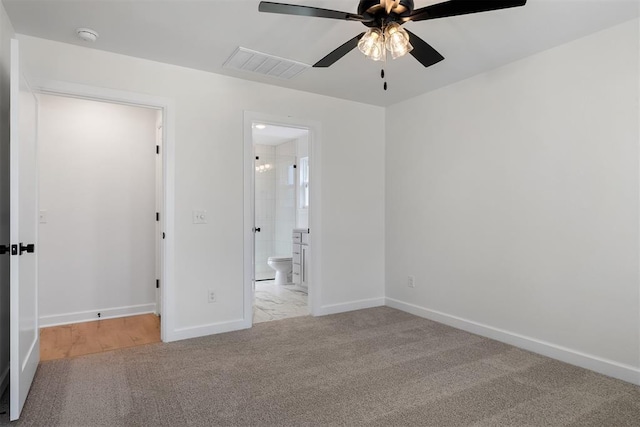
59, 342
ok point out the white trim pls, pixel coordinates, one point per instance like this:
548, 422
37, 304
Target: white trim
208, 329
91, 315
14, 214
248, 244
4, 381
167, 216
638, 160
351, 306
604, 366
315, 203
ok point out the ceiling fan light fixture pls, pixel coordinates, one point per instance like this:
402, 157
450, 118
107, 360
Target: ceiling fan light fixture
372, 44
384, 18
397, 40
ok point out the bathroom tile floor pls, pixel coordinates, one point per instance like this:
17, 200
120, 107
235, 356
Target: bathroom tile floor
274, 302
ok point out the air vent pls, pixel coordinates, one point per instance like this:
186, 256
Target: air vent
262, 63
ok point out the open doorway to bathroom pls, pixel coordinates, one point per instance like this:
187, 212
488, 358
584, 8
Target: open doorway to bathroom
281, 218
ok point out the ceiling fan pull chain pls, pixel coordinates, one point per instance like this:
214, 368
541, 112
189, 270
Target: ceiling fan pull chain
384, 62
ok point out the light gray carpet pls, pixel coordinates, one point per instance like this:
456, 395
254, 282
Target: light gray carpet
375, 367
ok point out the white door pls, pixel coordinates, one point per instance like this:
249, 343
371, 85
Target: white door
25, 342
159, 220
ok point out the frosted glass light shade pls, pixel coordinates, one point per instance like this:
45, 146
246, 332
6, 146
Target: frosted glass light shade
397, 40
372, 44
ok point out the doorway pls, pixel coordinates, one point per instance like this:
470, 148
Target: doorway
23, 149
99, 220
280, 275
281, 211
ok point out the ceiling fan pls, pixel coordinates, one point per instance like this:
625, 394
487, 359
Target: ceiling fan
385, 19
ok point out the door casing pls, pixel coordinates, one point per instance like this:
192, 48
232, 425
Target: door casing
167, 153
315, 223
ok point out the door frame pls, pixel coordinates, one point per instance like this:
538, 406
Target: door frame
167, 151
315, 223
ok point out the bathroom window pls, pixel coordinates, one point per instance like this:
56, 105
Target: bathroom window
304, 182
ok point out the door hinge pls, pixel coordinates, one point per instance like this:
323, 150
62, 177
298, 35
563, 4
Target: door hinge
157, 283
30, 248
163, 235
4, 249
157, 216
157, 149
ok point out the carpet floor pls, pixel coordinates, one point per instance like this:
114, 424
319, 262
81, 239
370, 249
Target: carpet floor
374, 367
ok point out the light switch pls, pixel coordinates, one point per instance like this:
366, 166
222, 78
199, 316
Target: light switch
199, 217
42, 216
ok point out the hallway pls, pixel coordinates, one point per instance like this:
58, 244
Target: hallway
60, 342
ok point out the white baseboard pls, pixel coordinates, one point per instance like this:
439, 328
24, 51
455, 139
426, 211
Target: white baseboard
89, 315
209, 329
236, 325
350, 306
4, 380
610, 368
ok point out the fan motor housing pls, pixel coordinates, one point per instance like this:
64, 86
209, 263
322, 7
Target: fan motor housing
372, 8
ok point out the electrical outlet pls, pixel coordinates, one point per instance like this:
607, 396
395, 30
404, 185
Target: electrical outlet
411, 281
212, 296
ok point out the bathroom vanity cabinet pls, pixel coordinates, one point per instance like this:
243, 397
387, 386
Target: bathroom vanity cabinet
300, 256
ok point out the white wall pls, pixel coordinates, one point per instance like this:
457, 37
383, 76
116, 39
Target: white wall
6, 32
285, 219
513, 199
209, 175
97, 187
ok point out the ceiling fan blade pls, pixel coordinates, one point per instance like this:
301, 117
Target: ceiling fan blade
423, 51
331, 58
461, 7
292, 9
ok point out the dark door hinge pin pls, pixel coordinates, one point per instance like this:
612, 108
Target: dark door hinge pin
30, 248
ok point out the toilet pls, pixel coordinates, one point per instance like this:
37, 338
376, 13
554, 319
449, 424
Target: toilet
283, 266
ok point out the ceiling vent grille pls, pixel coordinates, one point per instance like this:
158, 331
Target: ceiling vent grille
261, 63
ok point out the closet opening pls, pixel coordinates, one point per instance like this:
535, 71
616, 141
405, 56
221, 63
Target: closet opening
100, 231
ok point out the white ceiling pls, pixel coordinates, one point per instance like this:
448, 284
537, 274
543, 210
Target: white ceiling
202, 34
276, 135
